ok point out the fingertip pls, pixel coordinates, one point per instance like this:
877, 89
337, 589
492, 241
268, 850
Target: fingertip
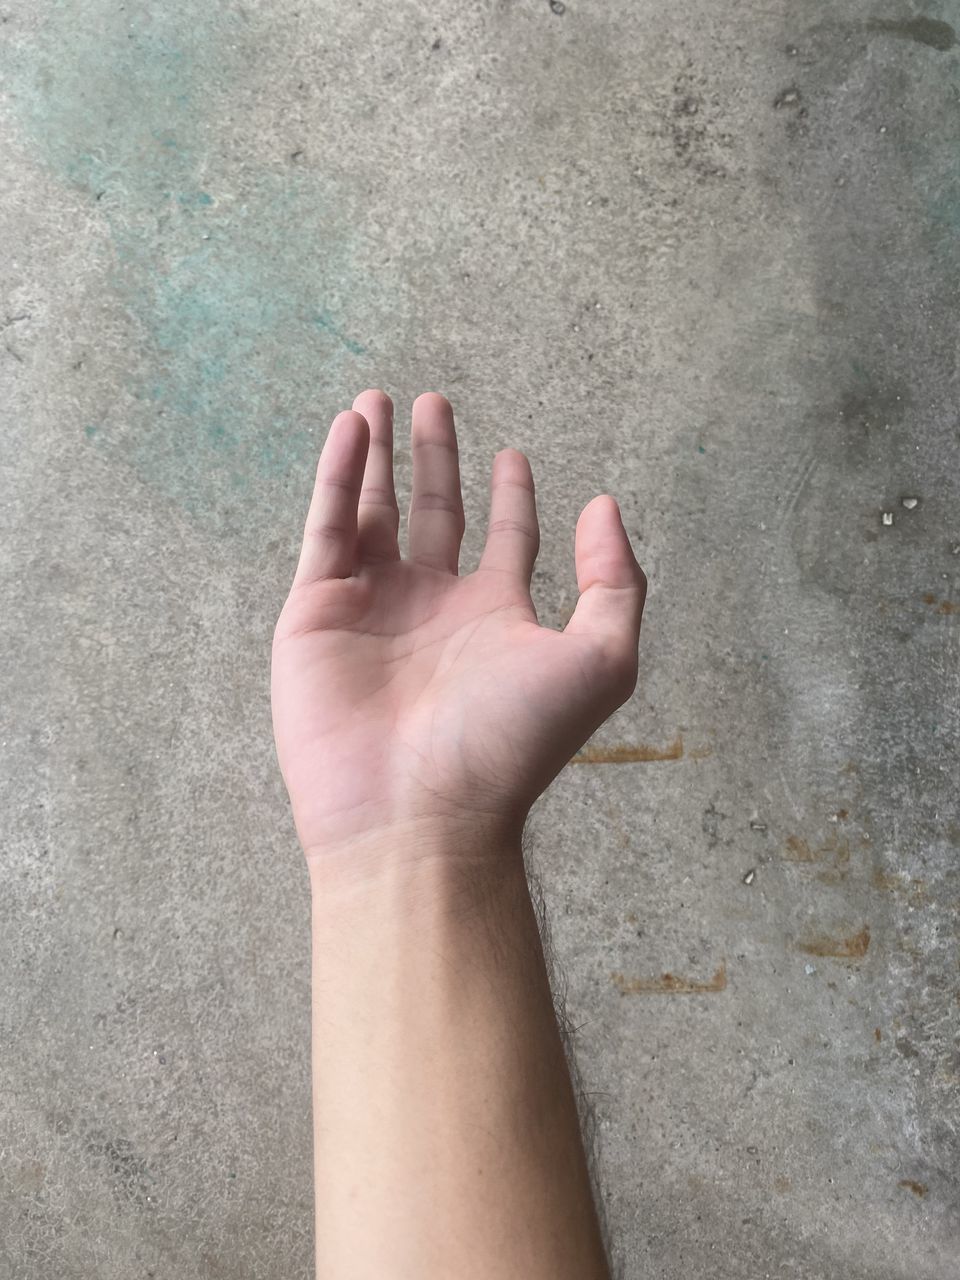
604, 552
350, 419
603, 505
373, 399
432, 400
513, 463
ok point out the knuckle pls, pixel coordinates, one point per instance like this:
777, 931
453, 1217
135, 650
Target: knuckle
507, 524
437, 502
378, 496
327, 532
338, 484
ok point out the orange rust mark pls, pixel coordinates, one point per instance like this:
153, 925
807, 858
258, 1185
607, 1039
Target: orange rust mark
914, 890
877, 1034
831, 876
842, 815
883, 880
945, 607
782, 1184
630, 755
799, 850
669, 985
918, 1188
851, 948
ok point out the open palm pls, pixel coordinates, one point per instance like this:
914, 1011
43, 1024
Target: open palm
404, 694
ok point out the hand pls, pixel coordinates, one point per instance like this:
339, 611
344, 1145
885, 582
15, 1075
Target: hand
408, 697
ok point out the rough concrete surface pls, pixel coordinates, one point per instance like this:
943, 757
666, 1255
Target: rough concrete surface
705, 257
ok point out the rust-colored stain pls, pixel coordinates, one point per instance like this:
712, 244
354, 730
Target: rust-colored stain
945, 607
630, 755
669, 984
851, 948
918, 1188
782, 1184
877, 1034
914, 889
832, 876
800, 850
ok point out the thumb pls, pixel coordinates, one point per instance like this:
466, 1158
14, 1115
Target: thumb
612, 587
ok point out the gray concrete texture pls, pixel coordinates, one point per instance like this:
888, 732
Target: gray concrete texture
705, 257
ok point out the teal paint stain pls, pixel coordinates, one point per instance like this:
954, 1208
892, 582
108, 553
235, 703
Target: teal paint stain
90, 430
325, 321
241, 302
935, 177
701, 449
195, 200
943, 209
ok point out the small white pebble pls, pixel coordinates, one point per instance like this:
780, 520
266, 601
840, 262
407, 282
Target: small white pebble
909, 503
750, 876
887, 517
808, 969
883, 128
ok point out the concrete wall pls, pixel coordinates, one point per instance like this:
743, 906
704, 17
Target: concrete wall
705, 257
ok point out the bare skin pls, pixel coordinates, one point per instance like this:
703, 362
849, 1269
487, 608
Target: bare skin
418, 714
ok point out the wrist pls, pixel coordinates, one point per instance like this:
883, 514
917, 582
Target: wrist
416, 857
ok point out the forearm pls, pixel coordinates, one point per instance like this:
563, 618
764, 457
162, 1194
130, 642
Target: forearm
447, 1136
